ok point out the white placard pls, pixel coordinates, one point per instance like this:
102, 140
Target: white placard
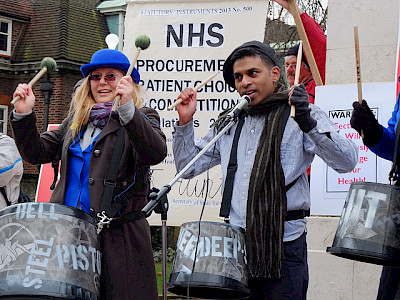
329, 188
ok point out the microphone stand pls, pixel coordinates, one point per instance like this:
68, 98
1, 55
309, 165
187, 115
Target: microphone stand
158, 198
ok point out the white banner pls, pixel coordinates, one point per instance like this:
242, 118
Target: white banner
189, 42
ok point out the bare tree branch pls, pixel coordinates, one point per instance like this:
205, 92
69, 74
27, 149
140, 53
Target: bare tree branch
280, 29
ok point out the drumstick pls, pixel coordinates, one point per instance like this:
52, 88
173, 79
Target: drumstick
307, 46
297, 75
142, 42
358, 67
179, 100
48, 64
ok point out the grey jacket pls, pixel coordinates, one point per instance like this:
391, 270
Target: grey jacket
11, 170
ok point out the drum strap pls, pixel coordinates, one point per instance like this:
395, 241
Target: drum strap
110, 182
230, 175
297, 214
232, 167
129, 217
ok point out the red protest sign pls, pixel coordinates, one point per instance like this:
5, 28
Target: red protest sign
46, 177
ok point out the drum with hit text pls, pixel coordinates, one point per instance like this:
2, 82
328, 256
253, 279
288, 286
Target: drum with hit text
369, 227
210, 262
48, 251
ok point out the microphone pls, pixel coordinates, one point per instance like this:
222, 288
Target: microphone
234, 113
244, 102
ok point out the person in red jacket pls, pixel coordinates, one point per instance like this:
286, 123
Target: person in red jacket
317, 40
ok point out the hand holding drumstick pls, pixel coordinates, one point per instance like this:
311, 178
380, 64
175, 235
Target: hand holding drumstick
142, 42
195, 89
48, 65
362, 118
297, 75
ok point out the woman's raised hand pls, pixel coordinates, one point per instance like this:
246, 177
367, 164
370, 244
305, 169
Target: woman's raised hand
26, 100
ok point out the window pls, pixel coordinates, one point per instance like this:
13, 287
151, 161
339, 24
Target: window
5, 37
3, 118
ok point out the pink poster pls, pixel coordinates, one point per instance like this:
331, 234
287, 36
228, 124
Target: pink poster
46, 177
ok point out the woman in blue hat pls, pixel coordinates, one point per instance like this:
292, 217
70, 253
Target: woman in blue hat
88, 139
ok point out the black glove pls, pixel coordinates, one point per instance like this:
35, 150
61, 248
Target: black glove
363, 120
299, 100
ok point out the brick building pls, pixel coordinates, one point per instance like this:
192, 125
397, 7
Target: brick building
69, 31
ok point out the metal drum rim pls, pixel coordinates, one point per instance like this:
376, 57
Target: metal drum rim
60, 209
368, 183
242, 230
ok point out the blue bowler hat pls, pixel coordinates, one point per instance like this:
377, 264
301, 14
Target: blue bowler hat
109, 58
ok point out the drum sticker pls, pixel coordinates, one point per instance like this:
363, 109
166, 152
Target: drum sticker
370, 215
220, 251
41, 245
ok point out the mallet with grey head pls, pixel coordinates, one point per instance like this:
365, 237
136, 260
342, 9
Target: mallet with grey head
142, 42
48, 65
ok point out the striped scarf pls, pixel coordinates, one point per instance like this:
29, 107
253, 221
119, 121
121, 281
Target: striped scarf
100, 114
266, 203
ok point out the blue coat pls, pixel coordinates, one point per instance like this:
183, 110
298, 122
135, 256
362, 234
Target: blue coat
385, 146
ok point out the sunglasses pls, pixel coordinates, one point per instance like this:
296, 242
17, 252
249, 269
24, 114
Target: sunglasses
109, 77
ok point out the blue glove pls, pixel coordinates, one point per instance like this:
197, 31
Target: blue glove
299, 100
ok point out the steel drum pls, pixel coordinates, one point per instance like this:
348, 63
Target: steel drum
48, 251
368, 229
218, 269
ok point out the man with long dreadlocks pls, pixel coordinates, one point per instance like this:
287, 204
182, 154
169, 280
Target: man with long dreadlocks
270, 193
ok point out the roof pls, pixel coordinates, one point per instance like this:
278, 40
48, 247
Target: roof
16, 9
112, 4
70, 31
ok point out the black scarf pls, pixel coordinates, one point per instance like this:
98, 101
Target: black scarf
266, 203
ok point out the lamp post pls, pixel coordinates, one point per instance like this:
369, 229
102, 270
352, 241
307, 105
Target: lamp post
46, 88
